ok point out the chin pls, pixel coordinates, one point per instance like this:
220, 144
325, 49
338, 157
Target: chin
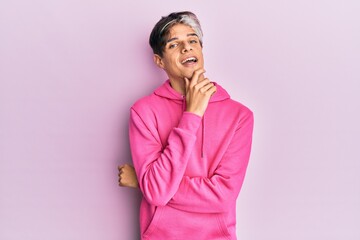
190, 73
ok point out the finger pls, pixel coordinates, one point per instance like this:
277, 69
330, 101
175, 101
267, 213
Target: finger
196, 75
211, 90
187, 82
203, 83
122, 169
207, 87
201, 78
121, 181
123, 184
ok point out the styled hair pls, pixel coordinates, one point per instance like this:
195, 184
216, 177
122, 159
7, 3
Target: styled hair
162, 28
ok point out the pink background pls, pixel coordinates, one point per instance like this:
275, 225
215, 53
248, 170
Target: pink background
70, 70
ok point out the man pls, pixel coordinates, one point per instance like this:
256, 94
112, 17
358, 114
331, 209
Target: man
190, 142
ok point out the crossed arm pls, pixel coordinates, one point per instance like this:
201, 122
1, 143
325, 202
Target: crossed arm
214, 193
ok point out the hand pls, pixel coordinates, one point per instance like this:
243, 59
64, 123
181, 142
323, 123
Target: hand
198, 91
127, 176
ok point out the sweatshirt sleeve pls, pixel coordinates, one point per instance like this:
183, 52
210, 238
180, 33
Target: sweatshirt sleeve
217, 193
160, 170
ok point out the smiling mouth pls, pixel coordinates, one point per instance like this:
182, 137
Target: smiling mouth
189, 60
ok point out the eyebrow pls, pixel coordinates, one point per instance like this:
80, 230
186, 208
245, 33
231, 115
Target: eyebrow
188, 35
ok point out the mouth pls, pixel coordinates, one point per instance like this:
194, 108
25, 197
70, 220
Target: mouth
189, 60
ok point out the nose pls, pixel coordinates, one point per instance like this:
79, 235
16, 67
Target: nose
186, 48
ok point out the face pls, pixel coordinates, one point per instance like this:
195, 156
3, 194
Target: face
182, 53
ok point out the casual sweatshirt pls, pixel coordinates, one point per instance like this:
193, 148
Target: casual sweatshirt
190, 168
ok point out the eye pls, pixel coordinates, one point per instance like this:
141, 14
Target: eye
173, 45
193, 41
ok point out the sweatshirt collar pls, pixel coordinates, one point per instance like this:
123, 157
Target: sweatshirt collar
166, 91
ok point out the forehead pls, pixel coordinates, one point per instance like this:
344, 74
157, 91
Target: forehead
179, 30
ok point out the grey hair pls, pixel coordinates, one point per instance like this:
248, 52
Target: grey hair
161, 30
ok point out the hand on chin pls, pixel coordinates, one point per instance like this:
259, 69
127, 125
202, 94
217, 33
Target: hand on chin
190, 74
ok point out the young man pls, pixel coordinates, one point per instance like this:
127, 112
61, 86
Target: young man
190, 142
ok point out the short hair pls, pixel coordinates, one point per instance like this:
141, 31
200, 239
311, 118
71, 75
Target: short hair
162, 28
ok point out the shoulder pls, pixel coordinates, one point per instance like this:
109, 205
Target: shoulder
153, 100
240, 107
242, 113
147, 108
233, 107
224, 100
145, 104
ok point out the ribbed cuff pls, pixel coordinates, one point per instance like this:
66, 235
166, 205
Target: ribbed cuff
190, 122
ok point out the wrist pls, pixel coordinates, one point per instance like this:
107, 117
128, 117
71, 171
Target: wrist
199, 113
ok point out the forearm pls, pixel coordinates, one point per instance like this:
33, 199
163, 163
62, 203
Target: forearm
160, 170
219, 191
208, 195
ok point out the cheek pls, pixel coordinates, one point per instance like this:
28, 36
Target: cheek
172, 58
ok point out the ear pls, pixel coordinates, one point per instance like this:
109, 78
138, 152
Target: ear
158, 61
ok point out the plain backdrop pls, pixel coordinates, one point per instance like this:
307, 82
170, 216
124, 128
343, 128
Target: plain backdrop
71, 69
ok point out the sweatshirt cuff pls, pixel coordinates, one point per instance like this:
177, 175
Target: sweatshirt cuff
190, 122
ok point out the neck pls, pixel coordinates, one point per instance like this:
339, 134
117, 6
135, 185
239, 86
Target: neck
178, 86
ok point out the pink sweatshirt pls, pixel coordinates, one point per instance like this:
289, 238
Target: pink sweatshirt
190, 169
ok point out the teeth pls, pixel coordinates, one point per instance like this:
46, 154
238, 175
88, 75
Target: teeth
188, 60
